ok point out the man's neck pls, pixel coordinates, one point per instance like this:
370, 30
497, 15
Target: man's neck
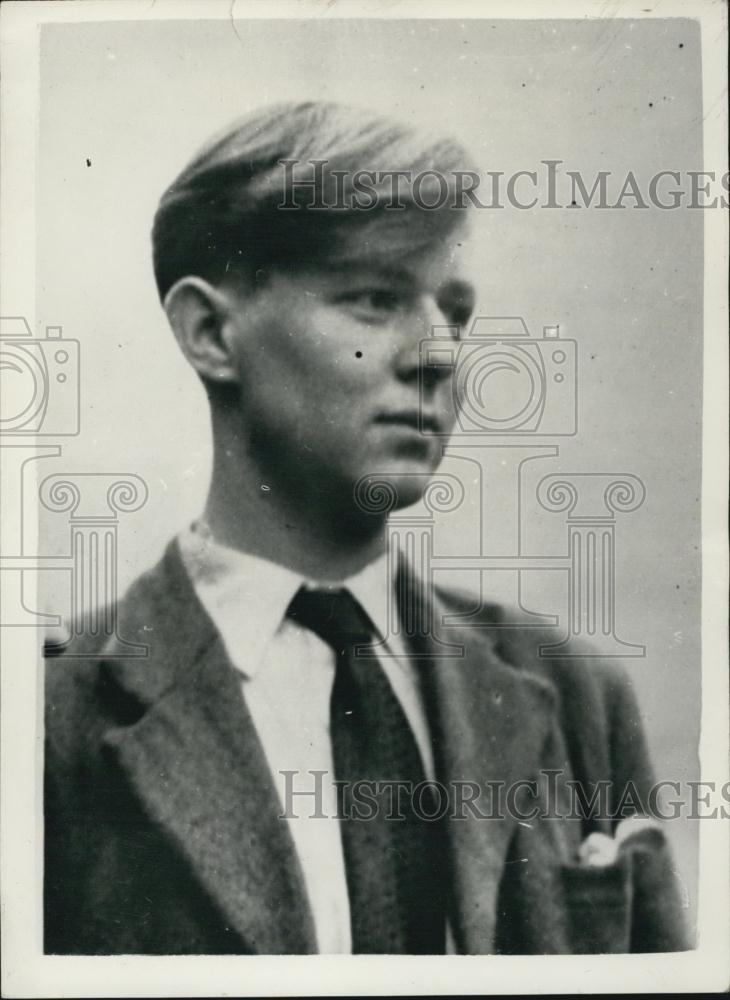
313, 532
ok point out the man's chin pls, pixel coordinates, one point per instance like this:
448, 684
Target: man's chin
394, 488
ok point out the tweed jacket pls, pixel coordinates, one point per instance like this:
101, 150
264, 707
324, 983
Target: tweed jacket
162, 828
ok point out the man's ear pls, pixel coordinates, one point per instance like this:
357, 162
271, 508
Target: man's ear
199, 314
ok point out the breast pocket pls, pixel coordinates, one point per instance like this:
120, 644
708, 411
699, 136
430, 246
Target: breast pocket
598, 904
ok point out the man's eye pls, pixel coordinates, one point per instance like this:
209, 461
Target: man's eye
373, 300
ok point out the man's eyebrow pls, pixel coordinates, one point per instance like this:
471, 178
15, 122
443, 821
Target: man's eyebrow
457, 289
395, 275
452, 290
457, 286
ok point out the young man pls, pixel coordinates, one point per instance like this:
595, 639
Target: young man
300, 269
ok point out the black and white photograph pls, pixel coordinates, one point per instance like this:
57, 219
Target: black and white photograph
364, 462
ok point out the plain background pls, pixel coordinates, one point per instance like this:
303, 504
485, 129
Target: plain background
124, 106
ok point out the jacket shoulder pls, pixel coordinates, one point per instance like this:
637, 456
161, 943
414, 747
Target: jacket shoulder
524, 645
74, 682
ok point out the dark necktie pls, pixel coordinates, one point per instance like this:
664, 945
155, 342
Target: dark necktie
394, 857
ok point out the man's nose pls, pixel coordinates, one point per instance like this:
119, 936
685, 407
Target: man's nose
424, 322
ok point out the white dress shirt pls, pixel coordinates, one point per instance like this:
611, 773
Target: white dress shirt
287, 674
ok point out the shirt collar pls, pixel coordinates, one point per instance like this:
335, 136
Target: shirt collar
247, 596
374, 588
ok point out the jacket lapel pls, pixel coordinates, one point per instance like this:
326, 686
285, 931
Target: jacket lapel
490, 725
195, 761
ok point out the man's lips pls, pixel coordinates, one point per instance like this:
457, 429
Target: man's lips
415, 419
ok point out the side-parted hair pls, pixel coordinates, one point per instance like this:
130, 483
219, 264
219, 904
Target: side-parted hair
301, 185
